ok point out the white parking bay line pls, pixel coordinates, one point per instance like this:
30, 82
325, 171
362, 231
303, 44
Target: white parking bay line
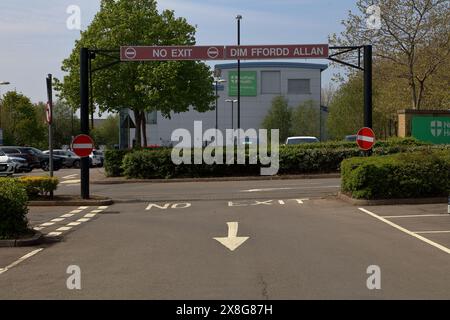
415, 235
416, 216
76, 181
25, 257
431, 232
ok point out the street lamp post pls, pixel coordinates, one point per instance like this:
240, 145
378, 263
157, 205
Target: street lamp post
2, 83
232, 111
217, 81
239, 18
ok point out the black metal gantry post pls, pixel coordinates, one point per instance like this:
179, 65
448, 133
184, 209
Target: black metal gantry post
84, 117
368, 86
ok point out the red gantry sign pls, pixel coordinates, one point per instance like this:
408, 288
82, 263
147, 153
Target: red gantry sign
365, 138
253, 52
82, 145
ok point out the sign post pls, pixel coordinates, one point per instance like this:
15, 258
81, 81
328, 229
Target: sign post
49, 118
365, 138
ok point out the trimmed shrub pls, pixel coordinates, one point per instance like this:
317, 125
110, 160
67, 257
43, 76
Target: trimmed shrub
38, 186
113, 162
13, 209
405, 175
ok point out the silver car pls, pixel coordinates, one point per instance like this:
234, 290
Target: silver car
6, 165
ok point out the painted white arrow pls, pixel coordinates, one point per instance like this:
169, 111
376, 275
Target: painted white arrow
232, 242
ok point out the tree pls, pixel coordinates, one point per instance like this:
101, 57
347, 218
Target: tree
20, 121
414, 38
169, 86
345, 110
107, 133
279, 117
305, 119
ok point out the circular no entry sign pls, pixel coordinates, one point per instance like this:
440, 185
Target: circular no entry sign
82, 145
365, 138
48, 113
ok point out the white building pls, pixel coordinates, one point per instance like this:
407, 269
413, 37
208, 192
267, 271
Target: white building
260, 83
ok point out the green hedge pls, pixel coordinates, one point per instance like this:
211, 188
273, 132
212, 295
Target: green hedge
13, 209
113, 162
323, 157
406, 175
38, 185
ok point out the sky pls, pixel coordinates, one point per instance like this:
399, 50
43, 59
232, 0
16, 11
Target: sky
35, 39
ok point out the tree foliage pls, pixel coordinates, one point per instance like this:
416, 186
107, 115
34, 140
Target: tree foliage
305, 119
107, 133
279, 117
169, 86
412, 46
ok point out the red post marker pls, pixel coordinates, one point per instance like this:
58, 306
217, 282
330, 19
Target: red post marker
365, 138
82, 145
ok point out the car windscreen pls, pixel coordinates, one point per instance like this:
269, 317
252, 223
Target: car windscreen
10, 150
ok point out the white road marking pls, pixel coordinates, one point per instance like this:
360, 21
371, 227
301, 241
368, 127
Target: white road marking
46, 224
102, 207
38, 228
57, 220
71, 181
82, 208
25, 257
67, 215
54, 234
232, 241
96, 211
74, 224
415, 235
90, 215
76, 211
293, 188
365, 138
415, 216
437, 231
64, 229
83, 220
70, 176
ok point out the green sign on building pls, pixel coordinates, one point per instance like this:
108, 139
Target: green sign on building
248, 83
431, 129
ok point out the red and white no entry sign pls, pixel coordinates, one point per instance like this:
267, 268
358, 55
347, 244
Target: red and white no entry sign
82, 145
48, 113
365, 138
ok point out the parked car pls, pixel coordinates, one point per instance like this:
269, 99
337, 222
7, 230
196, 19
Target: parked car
42, 158
32, 160
100, 155
69, 159
19, 164
301, 140
6, 166
351, 138
95, 159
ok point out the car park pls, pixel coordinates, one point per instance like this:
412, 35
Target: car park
301, 140
96, 159
44, 159
32, 160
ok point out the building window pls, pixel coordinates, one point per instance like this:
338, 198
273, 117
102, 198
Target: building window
270, 82
299, 86
152, 117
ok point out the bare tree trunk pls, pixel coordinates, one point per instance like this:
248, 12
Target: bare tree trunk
137, 120
144, 128
421, 91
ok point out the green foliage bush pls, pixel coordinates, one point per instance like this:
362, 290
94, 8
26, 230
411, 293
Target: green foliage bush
113, 162
13, 209
405, 175
35, 186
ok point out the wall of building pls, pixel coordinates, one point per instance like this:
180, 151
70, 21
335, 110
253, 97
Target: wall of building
253, 108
